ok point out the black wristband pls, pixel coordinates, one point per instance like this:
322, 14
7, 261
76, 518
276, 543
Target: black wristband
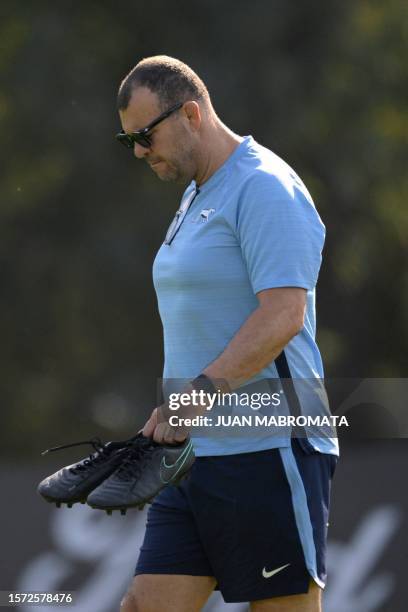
210, 385
203, 383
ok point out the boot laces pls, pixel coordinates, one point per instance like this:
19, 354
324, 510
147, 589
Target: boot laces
137, 457
100, 452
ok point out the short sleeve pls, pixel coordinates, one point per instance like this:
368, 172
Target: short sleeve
281, 235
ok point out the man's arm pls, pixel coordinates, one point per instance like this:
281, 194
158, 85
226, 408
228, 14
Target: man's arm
279, 317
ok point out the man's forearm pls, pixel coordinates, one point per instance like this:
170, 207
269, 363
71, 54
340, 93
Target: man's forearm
259, 341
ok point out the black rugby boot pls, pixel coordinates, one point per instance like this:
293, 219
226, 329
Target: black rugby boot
72, 484
146, 470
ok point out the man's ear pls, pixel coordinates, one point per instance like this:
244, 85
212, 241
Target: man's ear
192, 113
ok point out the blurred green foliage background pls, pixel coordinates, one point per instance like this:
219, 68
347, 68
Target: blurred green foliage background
322, 83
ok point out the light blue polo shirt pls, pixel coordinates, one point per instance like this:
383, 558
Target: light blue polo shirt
252, 226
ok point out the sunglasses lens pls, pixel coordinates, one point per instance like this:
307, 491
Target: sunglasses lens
128, 140
125, 139
142, 140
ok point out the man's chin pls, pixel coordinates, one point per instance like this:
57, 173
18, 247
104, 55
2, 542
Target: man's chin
167, 173
167, 177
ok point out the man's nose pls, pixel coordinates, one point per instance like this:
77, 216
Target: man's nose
139, 151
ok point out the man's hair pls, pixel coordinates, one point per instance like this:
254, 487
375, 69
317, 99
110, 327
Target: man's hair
169, 78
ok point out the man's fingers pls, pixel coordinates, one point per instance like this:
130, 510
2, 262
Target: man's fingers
169, 436
180, 435
174, 436
159, 433
159, 429
148, 429
164, 434
150, 425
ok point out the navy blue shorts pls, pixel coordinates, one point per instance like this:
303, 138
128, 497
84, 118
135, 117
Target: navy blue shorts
257, 522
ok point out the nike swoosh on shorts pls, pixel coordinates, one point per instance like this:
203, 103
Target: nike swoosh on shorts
266, 574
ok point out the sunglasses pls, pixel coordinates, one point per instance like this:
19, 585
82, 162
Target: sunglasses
141, 137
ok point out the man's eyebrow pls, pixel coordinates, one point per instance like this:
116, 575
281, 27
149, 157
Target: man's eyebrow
133, 130
142, 128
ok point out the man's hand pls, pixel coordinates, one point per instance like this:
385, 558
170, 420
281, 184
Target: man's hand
158, 428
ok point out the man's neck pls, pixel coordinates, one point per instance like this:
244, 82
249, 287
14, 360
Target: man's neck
221, 143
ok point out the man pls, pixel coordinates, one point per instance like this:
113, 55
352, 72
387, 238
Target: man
235, 280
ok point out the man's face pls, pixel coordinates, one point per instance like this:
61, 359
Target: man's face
171, 155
